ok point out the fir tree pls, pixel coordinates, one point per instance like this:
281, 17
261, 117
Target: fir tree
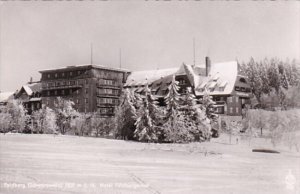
145, 124
172, 101
126, 116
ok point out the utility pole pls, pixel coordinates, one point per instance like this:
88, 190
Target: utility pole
91, 53
120, 58
194, 50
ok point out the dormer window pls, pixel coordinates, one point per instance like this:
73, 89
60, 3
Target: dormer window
243, 80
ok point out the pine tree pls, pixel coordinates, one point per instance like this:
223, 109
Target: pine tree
154, 110
126, 116
172, 101
145, 124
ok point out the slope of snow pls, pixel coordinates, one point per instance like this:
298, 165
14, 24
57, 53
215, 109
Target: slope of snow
93, 165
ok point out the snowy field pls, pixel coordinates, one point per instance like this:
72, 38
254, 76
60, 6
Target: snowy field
37, 164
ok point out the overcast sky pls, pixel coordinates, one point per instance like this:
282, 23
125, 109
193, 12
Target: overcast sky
151, 35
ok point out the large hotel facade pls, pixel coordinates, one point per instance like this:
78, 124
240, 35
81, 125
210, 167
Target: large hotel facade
91, 87
95, 88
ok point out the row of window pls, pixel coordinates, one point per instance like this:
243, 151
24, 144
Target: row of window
182, 82
66, 83
65, 74
109, 74
107, 91
233, 99
106, 110
64, 92
107, 101
231, 110
242, 89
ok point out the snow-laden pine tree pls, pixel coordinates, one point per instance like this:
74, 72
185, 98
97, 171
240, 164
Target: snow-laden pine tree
126, 116
145, 127
172, 101
154, 111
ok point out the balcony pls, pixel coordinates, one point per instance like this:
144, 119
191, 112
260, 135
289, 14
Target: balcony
102, 85
108, 95
61, 87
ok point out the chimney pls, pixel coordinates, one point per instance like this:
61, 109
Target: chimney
207, 65
30, 81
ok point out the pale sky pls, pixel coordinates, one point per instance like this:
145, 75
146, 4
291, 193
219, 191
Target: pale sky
41, 35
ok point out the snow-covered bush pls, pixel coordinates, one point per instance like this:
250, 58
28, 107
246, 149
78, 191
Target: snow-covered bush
14, 117
280, 126
5, 121
65, 113
81, 124
44, 121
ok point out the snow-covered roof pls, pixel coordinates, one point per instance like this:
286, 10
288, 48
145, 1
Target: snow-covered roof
27, 90
85, 66
5, 96
137, 78
220, 80
31, 88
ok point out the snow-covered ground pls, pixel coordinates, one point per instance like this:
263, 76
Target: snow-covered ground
68, 164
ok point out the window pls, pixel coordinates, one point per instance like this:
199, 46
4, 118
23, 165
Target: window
86, 81
86, 90
71, 91
78, 72
237, 99
77, 101
71, 73
55, 92
55, 75
217, 98
237, 88
243, 80
63, 92
229, 99
49, 75
86, 100
72, 83
77, 91
181, 81
63, 74
48, 93
231, 110
237, 109
38, 105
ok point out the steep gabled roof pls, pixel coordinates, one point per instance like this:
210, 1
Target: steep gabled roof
221, 79
30, 88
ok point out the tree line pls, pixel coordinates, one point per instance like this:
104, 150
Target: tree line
274, 80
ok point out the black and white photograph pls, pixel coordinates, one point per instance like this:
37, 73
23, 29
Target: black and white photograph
149, 97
